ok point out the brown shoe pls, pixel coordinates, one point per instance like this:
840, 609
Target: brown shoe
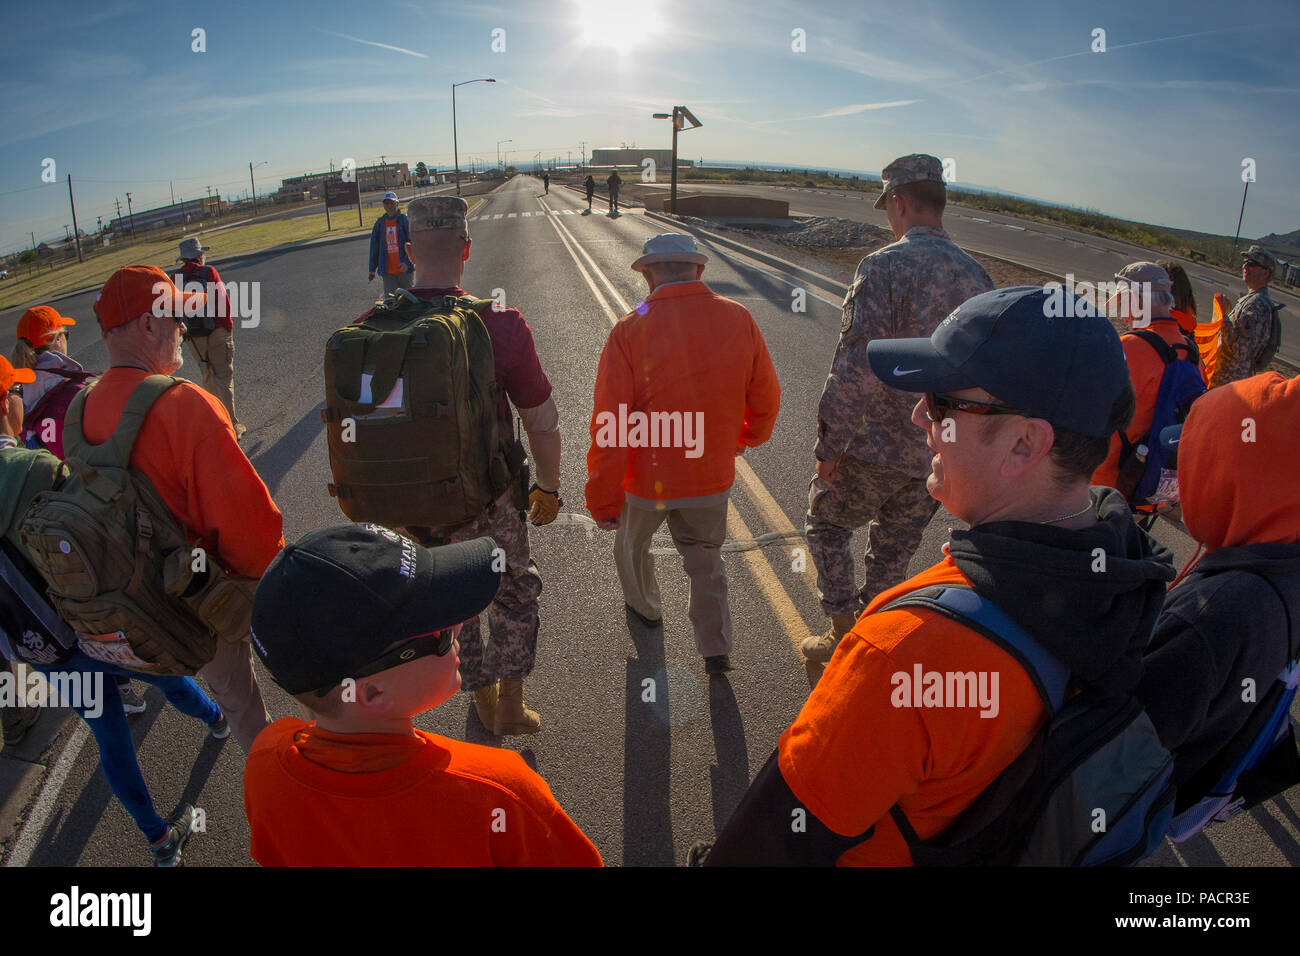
512, 717
820, 648
485, 702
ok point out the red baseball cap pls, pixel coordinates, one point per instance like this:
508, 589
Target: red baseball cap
9, 376
41, 323
133, 291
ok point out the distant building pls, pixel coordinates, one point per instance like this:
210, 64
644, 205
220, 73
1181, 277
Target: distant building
606, 159
177, 214
369, 178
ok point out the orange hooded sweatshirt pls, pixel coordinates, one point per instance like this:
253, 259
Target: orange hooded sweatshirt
684, 379
1237, 437
1227, 622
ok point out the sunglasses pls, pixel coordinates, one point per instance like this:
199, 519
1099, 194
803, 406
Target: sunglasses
938, 405
437, 643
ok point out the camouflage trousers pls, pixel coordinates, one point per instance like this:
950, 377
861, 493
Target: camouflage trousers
898, 508
511, 647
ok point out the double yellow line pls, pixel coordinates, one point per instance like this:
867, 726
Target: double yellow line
778, 599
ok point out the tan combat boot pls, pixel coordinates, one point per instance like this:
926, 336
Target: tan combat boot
819, 649
485, 702
512, 717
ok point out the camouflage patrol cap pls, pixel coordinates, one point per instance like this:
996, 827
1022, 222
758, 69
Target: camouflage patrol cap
437, 212
916, 168
1261, 256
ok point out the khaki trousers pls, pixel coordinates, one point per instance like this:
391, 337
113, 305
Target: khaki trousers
234, 688
698, 534
215, 354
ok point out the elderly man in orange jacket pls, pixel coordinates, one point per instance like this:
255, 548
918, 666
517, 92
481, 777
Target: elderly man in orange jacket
685, 384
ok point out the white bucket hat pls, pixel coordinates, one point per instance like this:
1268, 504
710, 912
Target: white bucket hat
669, 247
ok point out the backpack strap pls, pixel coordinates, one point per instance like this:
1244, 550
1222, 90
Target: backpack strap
116, 451
1168, 353
967, 607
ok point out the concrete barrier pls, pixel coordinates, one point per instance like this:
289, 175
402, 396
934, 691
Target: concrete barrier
723, 206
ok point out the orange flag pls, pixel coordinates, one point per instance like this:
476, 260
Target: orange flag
1207, 337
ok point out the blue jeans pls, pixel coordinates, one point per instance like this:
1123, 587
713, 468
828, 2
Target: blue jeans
113, 734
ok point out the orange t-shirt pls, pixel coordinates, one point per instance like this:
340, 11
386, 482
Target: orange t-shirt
187, 448
858, 746
317, 798
394, 254
1145, 369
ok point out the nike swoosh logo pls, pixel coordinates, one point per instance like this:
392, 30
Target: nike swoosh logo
910, 371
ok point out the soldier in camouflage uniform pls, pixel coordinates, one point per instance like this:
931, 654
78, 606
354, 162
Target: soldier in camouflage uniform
439, 247
1244, 350
871, 461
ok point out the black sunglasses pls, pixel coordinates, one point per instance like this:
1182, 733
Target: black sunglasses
938, 405
437, 643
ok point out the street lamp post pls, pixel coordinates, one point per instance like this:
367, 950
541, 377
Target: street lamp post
679, 115
455, 145
499, 142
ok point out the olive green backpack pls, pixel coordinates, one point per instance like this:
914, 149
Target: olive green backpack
412, 415
119, 566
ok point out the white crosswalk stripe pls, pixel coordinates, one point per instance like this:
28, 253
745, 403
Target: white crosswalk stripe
511, 215
497, 216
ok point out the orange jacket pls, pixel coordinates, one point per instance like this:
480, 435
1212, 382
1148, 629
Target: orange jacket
853, 751
1145, 369
316, 798
187, 448
683, 380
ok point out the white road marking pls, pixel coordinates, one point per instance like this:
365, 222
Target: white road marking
497, 216
33, 829
1018, 228
977, 219
511, 215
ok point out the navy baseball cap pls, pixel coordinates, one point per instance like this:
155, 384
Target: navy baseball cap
340, 598
1027, 346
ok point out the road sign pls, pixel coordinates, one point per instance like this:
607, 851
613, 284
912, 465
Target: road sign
340, 193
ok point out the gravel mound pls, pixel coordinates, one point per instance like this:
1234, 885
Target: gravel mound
833, 232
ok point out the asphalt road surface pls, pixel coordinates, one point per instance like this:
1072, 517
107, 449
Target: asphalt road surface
1051, 248
642, 779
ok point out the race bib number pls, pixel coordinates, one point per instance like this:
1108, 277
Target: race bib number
112, 649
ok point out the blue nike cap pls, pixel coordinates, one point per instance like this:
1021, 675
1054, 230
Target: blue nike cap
1027, 347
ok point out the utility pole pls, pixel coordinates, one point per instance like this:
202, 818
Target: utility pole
130, 214
73, 204
172, 185
254, 187
584, 152
383, 162
67, 236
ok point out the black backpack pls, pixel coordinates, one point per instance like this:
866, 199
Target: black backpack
202, 325
1091, 789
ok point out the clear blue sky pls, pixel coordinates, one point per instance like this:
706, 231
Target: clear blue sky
1154, 129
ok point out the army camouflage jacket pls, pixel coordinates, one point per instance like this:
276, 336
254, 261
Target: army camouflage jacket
901, 291
1245, 333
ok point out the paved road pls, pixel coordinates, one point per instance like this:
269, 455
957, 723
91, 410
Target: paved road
1051, 248
644, 780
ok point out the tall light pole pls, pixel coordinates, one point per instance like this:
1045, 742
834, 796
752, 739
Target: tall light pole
499, 142
679, 116
130, 214
455, 146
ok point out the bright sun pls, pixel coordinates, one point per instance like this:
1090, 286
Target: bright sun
619, 25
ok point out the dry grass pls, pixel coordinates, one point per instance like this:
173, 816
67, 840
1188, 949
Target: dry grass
234, 240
